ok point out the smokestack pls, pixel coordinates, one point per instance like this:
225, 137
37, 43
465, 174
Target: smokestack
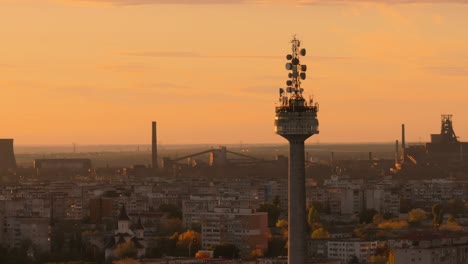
397, 151
154, 148
7, 155
332, 162
403, 142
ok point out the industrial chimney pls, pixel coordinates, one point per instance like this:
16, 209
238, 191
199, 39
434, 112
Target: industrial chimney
403, 141
7, 155
154, 148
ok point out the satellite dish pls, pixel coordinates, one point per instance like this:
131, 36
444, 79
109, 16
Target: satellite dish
290, 75
303, 68
288, 82
303, 52
303, 75
295, 61
289, 66
281, 91
301, 90
289, 57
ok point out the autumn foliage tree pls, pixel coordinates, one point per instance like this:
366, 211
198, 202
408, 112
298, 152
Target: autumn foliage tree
273, 211
126, 261
125, 250
320, 233
416, 216
188, 239
437, 215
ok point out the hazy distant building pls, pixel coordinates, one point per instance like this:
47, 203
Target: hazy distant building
62, 167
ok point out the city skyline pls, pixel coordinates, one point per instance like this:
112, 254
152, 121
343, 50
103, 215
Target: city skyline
98, 72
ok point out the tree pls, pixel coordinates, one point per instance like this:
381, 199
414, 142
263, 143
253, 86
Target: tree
202, 255
366, 216
360, 232
276, 247
189, 240
171, 210
394, 224
455, 207
125, 250
437, 215
126, 261
229, 251
416, 216
170, 225
320, 233
273, 211
377, 219
256, 253
283, 225
276, 201
312, 218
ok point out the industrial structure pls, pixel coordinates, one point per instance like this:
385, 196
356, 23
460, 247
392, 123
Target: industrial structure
218, 159
444, 151
154, 148
7, 155
296, 120
51, 168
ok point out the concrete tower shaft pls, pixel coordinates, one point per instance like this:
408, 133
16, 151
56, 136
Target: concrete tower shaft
7, 155
154, 146
296, 120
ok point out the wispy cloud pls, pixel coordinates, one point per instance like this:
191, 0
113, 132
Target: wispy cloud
295, 2
184, 54
448, 70
126, 67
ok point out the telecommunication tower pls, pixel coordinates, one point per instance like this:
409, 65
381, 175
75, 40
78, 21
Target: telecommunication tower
296, 120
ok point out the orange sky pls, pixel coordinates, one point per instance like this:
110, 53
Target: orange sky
98, 72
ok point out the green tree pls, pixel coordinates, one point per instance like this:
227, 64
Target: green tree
437, 215
276, 247
171, 210
273, 211
455, 207
367, 216
229, 251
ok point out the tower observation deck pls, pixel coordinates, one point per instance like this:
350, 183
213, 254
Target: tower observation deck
296, 120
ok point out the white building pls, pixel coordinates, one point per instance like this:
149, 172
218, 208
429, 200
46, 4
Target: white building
431, 248
346, 249
245, 228
384, 201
